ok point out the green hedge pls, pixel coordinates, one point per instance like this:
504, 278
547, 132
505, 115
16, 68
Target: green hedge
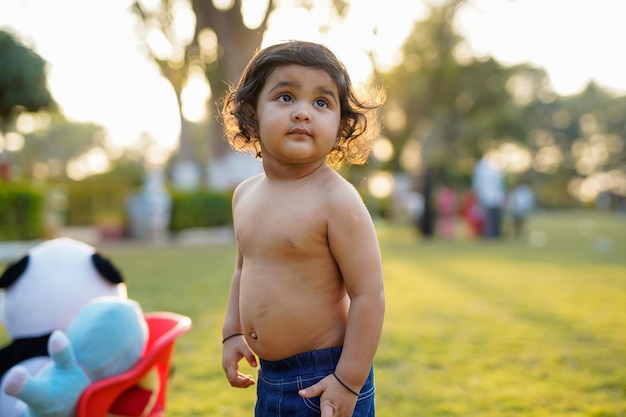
21, 211
86, 201
22, 207
200, 209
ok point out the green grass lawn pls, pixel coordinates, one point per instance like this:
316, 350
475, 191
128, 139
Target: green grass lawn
473, 328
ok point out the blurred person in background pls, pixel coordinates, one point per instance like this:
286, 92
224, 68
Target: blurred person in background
426, 221
488, 184
520, 203
446, 210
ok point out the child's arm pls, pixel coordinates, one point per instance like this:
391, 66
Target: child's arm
235, 347
354, 245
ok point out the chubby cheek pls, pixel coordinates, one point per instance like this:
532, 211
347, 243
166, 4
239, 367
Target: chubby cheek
265, 117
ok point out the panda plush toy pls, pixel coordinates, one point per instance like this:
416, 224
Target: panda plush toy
42, 293
106, 338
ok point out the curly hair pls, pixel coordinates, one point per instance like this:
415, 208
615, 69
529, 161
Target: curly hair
359, 122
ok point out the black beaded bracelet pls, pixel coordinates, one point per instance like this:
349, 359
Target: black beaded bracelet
344, 385
231, 336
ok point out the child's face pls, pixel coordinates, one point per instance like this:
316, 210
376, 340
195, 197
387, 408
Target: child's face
298, 115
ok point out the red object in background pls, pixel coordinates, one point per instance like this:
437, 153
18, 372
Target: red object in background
5, 169
164, 328
472, 213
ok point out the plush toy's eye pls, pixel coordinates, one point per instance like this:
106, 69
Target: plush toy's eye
107, 269
13, 272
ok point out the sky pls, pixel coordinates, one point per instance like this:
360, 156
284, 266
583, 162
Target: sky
99, 73
573, 40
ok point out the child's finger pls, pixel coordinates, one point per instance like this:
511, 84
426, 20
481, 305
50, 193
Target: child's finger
312, 391
251, 358
239, 380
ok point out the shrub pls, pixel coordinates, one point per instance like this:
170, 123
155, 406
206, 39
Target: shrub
193, 209
87, 200
21, 211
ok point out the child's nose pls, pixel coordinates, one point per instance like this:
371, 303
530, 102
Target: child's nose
301, 114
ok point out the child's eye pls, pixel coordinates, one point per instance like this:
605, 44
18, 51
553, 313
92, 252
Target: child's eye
286, 98
321, 102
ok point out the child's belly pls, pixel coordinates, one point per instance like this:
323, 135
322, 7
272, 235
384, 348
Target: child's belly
283, 317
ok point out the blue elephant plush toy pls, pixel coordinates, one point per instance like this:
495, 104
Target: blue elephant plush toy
107, 337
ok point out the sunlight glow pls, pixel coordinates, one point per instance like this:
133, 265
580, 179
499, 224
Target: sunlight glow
548, 159
285, 23
364, 33
184, 21
395, 117
195, 95
591, 153
383, 149
156, 156
521, 88
26, 123
588, 189
253, 12
411, 157
512, 157
13, 141
113, 83
161, 46
572, 40
540, 138
462, 53
95, 161
209, 47
150, 5
223, 4
380, 184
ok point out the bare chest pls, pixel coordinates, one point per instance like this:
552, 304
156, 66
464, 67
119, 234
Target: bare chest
280, 224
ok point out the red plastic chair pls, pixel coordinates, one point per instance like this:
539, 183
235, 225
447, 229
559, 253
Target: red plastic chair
164, 329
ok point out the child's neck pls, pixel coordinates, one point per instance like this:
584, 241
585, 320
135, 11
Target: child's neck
275, 172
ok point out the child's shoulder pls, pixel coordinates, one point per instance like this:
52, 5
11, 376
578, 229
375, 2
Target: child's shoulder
336, 187
329, 178
247, 184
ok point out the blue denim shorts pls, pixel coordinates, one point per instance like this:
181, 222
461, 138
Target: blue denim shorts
279, 382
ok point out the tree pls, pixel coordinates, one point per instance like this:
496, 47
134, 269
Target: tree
58, 144
586, 132
23, 87
455, 106
446, 107
23, 84
220, 46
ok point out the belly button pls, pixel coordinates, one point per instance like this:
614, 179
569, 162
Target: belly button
253, 335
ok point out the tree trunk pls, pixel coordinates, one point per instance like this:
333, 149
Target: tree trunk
237, 43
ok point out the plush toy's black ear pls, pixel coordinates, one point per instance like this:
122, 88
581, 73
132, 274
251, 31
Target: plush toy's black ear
107, 269
13, 272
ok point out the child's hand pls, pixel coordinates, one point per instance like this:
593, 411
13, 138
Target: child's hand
335, 400
233, 351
